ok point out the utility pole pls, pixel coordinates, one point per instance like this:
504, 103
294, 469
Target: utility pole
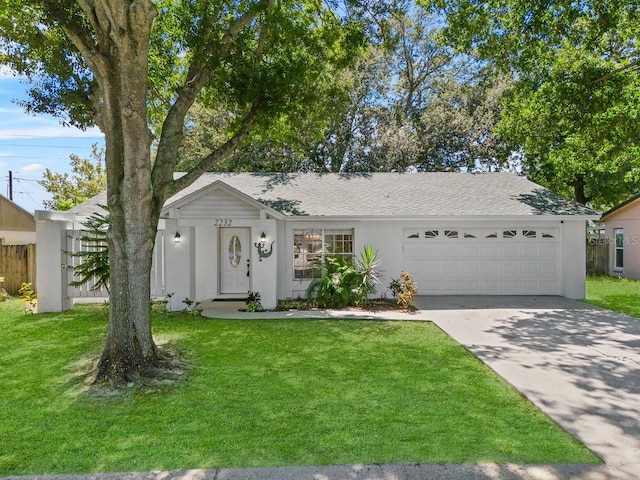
10, 185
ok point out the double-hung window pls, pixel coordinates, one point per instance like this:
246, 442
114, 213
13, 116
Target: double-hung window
619, 249
311, 246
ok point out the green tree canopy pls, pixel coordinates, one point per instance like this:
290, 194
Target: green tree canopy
406, 103
574, 108
88, 178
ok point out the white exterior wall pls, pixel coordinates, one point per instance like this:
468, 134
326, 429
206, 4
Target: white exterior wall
179, 264
206, 262
387, 236
191, 265
574, 263
264, 273
51, 279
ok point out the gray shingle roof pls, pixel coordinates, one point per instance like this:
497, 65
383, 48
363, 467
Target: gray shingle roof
387, 194
396, 194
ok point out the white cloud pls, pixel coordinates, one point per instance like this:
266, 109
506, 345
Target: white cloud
6, 72
50, 131
32, 168
11, 111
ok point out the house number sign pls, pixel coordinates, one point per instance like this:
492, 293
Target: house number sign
222, 222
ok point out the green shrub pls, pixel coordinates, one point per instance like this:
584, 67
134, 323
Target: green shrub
253, 302
343, 284
334, 289
28, 295
404, 290
367, 265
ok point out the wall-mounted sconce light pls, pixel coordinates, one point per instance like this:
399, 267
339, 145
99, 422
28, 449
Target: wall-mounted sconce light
176, 237
261, 246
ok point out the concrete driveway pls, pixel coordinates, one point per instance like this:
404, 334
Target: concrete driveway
579, 364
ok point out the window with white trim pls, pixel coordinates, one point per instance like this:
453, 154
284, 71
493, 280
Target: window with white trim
312, 246
618, 258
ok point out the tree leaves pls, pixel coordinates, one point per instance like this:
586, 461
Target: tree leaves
575, 107
88, 179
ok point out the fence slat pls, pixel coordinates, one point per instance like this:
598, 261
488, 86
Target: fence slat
17, 265
598, 256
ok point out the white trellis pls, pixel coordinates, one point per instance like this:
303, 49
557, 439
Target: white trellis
74, 244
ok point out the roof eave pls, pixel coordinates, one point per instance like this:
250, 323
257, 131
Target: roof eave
584, 217
620, 206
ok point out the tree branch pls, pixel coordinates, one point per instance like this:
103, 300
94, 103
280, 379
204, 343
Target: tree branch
198, 74
626, 68
219, 154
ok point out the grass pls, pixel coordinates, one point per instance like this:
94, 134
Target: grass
613, 293
262, 393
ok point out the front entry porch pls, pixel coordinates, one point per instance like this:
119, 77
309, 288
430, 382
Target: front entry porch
212, 262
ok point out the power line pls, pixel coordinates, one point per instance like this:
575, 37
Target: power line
9, 157
31, 181
75, 137
29, 195
42, 146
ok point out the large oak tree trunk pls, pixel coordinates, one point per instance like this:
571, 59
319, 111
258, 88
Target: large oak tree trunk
130, 350
579, 190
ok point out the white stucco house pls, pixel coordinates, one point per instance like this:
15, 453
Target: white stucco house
455, 233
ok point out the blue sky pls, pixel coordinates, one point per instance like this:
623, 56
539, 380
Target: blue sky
29, 144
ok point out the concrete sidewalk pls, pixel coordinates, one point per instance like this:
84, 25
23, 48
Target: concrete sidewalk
366, 472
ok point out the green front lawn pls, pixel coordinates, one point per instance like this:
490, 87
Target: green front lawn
261, 393
618, 294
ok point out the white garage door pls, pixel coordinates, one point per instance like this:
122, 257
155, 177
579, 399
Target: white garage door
483, 261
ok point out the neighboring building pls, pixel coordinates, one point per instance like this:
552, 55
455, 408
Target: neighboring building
17, 226
455, 233
622, 225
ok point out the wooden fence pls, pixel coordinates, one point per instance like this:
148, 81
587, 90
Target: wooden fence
17, 265
598, 256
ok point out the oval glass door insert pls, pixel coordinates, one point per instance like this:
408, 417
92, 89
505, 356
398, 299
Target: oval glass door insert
235, 251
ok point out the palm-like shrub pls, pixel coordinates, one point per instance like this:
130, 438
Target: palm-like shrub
94, 256
343, 284
367, 265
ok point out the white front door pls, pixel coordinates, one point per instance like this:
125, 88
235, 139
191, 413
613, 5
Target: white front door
235, 263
